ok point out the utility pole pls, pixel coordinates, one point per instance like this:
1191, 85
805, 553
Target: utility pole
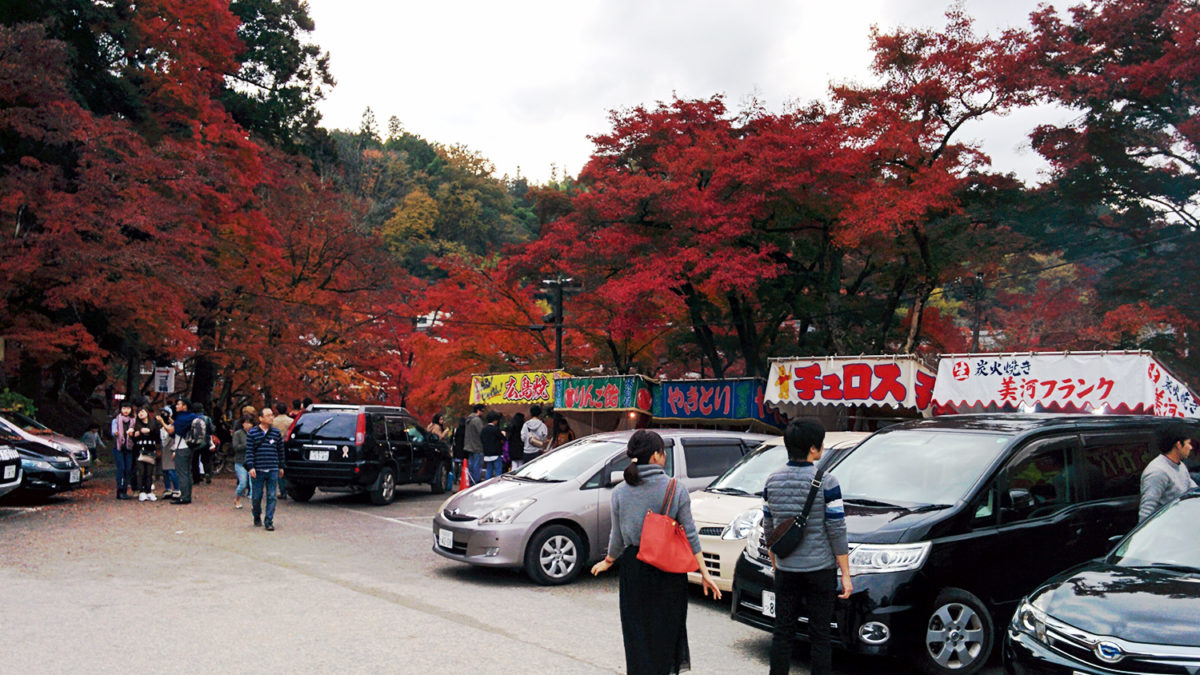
561, 285
977, 320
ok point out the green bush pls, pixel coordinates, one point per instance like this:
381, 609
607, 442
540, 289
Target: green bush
11, 400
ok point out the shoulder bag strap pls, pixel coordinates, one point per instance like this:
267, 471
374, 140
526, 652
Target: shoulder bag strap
812, 494
669, 497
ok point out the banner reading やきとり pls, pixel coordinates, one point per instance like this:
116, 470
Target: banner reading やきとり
899, 381
1121, 382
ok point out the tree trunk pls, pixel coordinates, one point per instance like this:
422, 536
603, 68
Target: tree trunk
914, 327
704, 334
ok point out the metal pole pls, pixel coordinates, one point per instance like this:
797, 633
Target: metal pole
558, 323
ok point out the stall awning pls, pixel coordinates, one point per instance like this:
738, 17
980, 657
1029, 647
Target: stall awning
899, 381
1117, 382
595, 394
732, 400
521, 389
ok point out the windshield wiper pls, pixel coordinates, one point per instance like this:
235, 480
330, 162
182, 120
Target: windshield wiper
313, 434
868, 502
727, 491
1169, 566
931, 507
531, 479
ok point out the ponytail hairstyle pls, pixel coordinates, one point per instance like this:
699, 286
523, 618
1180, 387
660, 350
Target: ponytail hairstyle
642, 446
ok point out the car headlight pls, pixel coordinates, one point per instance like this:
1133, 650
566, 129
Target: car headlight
1030, 620
878, 558
741, 525
506, 513
753, 538
36, 464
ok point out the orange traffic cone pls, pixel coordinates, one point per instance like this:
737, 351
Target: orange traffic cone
464, 481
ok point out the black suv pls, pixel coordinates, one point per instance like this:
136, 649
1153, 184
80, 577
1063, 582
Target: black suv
952, 520
361, 448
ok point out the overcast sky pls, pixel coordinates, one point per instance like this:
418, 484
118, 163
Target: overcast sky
525, 83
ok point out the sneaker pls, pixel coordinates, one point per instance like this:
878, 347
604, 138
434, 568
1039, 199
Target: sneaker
258, 522
141, 496
237, 505
269, 527
150, 497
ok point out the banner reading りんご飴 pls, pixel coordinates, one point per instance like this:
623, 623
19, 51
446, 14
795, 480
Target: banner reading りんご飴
897, 381
1120, 382
513, 388
622, 392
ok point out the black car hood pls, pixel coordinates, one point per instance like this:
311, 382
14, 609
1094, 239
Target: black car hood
885, 525
1155, 606
34, 450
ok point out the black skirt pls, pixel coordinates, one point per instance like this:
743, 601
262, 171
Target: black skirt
653, 617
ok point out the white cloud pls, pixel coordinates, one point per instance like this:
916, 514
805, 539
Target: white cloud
525, 83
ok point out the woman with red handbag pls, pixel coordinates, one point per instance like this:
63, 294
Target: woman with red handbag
653, 531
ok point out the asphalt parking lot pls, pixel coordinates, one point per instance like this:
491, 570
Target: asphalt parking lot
92, 584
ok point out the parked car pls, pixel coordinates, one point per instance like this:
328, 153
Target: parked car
953, 520
361, 448
43, 468
553, 515
728, 509
32, 430
10, 469
1132, 611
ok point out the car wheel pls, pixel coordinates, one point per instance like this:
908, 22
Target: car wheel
301, 493
554, 555
387, 488
438, 485
959, 635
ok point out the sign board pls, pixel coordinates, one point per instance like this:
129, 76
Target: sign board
1117, 382
725, 400
513, 388
898, 381
622, 392
164, 380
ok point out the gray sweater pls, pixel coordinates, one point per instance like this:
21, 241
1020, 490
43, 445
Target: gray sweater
825, 535
1162, 481
630, 503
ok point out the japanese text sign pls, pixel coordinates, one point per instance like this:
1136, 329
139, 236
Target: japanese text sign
1084, 382
874, 380
738, 399
522, 388
628, 392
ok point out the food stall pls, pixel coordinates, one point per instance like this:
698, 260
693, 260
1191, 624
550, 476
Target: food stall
851, 393
606, 403
1122, 382
509, 393
736, 404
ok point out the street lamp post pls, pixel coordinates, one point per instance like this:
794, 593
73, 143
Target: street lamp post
561, 286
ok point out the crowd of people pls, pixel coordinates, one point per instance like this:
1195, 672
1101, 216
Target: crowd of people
176, 446
492, 445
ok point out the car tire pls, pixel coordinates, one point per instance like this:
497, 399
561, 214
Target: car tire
386, 492
301, 493
554, 555
959, 635
438, 485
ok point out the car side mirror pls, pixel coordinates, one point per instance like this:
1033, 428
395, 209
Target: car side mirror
616, 478
1020, 498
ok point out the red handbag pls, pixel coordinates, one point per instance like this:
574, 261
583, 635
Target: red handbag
664, 543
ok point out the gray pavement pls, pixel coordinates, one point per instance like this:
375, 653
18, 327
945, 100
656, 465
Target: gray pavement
92, 584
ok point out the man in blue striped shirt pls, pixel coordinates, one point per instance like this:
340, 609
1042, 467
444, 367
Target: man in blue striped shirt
808, 572
264, 461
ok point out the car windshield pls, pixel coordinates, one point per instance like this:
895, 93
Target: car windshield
917, 466
326, 425
1166, 540
24, 421
569, 461
749, 476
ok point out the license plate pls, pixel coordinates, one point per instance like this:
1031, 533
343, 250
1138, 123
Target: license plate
768, 604
74, 475
445, 539
10, 471
318, 455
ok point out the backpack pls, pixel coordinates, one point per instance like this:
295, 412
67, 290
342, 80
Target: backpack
458, 441
197, 435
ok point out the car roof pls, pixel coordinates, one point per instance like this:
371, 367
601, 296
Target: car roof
1017, 423
832, 438
350, 407
670, 434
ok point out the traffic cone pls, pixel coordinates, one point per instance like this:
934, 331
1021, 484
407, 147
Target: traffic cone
464, 481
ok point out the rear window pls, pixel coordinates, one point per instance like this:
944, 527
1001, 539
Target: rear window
326, 426
710, 459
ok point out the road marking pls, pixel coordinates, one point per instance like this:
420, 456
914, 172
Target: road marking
423, 528
10, 511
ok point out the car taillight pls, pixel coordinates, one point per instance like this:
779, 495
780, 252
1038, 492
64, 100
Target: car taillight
292, 426
360, 431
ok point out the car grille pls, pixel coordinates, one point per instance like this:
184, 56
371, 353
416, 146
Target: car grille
457, 548
7, 453
763, 557
62, 463
711, 531
712, 562
457, 517
1139, 659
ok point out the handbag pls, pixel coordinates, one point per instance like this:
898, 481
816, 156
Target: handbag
787, 535
149, 459
664, 543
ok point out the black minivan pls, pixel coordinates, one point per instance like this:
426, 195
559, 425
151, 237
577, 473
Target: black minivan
952, 520
361, 448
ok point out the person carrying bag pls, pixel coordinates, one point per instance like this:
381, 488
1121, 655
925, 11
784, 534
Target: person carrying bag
664, 544
787, 535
